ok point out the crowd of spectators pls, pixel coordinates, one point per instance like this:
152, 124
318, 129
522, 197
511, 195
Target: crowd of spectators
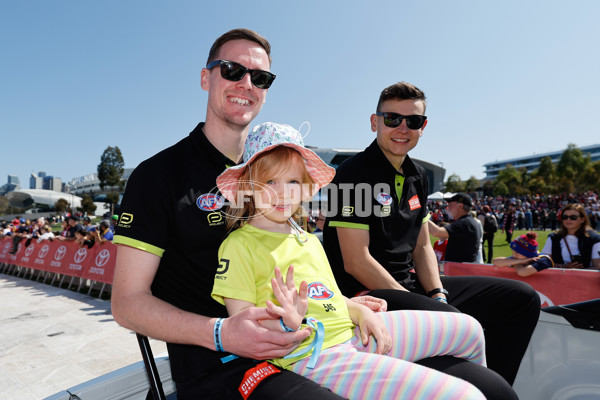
539, 212
579, 245
73, 228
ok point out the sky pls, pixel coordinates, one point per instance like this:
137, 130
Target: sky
503, 79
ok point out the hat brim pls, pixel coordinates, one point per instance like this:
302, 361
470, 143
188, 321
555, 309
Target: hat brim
317, 169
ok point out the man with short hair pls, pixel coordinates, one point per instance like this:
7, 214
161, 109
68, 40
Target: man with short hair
169, 240
379, 233
463, 234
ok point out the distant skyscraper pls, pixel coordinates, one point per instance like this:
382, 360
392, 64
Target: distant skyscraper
36, 182
13, 179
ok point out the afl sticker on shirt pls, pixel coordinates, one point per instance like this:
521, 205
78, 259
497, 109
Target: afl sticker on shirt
210, 202
318, 291
384, 199
414, 203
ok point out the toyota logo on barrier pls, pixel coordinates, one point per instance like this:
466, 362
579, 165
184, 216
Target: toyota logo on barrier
29, 250
60, 253
7, 245
80, 255
43, 251
102, 258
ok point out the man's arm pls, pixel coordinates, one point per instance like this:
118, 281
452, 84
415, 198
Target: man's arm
426, 263
358, 262
437, 231
135, 308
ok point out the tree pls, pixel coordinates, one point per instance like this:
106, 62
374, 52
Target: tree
61, 205
112, 198
4, 206
453, 184
472, 184
571, 167
511, 178
110, 169
500, 189
87, 204
110, 173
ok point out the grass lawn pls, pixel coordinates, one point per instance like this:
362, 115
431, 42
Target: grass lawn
501, 248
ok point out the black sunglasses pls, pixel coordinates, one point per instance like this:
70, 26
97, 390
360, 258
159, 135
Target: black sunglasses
393, 120
233, 71
572, 217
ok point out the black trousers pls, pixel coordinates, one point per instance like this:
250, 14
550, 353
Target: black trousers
224, 381
489, 238
508, 312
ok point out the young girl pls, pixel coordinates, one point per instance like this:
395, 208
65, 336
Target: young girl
277, 174
525, 259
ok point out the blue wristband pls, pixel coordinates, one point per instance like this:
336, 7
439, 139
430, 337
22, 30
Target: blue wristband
442, 299
285, 327
217, 334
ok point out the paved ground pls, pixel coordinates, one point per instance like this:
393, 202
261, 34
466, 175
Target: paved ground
53, 339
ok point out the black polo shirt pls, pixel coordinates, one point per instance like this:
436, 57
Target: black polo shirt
369, 193
464, 239
171, 208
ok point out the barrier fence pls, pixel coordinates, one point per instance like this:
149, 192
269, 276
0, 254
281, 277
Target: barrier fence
64, 258
555, 286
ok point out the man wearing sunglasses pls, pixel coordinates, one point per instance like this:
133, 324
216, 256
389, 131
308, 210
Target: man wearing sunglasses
169, 232
376, 233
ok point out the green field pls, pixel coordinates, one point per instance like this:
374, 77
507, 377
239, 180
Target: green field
501, 248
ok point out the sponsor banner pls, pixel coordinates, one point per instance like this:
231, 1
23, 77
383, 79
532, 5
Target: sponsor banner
555, 285
97, 263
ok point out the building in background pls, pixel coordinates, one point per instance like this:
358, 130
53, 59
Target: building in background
532, 162
12, 183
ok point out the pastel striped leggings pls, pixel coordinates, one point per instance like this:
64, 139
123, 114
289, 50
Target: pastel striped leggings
352, 370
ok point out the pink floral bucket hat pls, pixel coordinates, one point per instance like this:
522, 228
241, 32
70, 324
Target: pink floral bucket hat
265, 137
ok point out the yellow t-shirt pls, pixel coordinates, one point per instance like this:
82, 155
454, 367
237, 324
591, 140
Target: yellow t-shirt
247, 261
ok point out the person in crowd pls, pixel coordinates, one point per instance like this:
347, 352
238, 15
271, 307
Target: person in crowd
479, 259
104, 232
463, 234
490, 227
84, 238
277, 174
164, 277
87, 224
574, 244
46, 233
509, 223
373, 251
525, 258
439, 247
528, 217
21, 232
73, 226
553, 218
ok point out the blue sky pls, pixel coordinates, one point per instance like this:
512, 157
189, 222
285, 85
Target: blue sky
503, 78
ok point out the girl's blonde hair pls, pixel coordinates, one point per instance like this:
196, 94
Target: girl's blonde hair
265, 167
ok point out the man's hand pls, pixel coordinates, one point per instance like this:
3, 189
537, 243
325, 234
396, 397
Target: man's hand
242, 334
375, 304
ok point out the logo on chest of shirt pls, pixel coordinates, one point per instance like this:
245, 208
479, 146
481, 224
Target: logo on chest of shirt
318, 291
414, 203
210, 202
384, 199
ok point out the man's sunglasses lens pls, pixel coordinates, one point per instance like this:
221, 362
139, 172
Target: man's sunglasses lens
393, 120
233, 71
